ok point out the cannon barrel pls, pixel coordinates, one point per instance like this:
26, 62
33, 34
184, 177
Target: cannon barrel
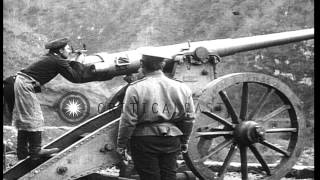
226, 47
127, 62
262, 41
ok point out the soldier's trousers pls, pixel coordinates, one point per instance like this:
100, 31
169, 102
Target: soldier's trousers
155, 157
28, 143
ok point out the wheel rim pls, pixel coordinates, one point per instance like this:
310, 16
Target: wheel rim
245, 133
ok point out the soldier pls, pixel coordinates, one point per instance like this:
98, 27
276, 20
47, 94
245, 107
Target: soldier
27, 115
157, 117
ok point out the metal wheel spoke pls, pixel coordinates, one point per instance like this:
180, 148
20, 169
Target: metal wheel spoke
231, 111
218, 148
244, 162
244, 101
274, 147
218, 118
279, 130
227, 161
260, 159
215, 133
274, 113
261, 102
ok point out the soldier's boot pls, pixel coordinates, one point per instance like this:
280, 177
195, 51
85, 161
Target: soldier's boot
35, 147
44, 153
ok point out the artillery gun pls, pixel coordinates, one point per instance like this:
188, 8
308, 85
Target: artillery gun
227, 121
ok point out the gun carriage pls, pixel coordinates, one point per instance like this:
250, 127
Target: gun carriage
229, 129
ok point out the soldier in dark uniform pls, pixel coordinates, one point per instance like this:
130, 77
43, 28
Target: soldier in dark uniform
27, 115
157, 117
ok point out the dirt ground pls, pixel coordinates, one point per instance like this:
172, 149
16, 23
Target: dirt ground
306, 159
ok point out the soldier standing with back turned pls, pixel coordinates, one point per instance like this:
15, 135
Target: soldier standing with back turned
157, 117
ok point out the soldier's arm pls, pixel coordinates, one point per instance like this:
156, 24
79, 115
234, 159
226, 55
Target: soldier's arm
71, 74
129, 117
187, 121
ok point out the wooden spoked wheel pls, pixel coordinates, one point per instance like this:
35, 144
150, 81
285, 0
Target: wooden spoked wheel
246, 120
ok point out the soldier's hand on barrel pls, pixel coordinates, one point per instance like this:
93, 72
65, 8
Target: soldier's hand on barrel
184, 148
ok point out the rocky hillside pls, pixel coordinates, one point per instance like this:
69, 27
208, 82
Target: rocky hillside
117, 25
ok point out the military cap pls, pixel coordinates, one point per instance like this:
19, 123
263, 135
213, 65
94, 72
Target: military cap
152, 62
151, 58
155, 55
57, 43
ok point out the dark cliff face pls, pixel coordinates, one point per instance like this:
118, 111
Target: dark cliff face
113, 26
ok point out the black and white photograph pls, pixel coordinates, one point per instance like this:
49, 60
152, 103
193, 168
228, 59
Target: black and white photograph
158, 90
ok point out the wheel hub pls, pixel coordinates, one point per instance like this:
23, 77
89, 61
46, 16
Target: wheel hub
248, 132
